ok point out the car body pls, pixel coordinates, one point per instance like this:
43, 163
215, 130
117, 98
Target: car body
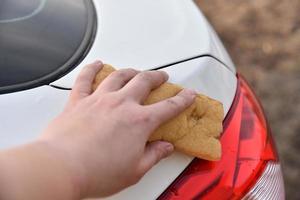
47, 42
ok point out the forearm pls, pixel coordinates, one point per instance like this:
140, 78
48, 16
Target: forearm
33, 172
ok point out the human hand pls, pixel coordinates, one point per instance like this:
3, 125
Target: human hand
103, 135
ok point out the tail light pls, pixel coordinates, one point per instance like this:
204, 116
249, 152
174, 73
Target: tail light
249, 167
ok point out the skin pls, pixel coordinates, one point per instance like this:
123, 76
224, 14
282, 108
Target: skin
98, 145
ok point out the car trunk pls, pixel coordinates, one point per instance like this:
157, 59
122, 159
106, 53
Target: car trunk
168, 35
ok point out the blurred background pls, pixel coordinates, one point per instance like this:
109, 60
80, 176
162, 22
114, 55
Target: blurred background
263, 39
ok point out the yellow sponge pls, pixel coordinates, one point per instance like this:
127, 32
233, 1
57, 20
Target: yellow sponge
195, 131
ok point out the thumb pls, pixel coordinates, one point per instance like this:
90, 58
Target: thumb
155, 151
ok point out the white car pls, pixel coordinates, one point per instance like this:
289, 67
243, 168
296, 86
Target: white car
45, 43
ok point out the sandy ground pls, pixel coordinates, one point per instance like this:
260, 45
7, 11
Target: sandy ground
263, 38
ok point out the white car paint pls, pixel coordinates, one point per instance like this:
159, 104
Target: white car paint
24, 114
147, 34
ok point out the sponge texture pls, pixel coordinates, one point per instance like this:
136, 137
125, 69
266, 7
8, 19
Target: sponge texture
195, 131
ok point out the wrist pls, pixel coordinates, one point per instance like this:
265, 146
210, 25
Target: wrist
37, 171
71, 168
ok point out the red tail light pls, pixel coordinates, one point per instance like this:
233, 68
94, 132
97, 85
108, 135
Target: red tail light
247, 147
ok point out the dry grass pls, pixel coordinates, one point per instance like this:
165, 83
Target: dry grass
263, 38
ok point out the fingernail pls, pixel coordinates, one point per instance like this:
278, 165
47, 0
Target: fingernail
98, 62
191, 92
165, 74
169, 148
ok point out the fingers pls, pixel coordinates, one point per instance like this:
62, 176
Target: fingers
84, 81
155, 151
116, 80
141, 85
171, 107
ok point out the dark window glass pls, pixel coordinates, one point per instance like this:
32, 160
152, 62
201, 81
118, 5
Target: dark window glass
41, 40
